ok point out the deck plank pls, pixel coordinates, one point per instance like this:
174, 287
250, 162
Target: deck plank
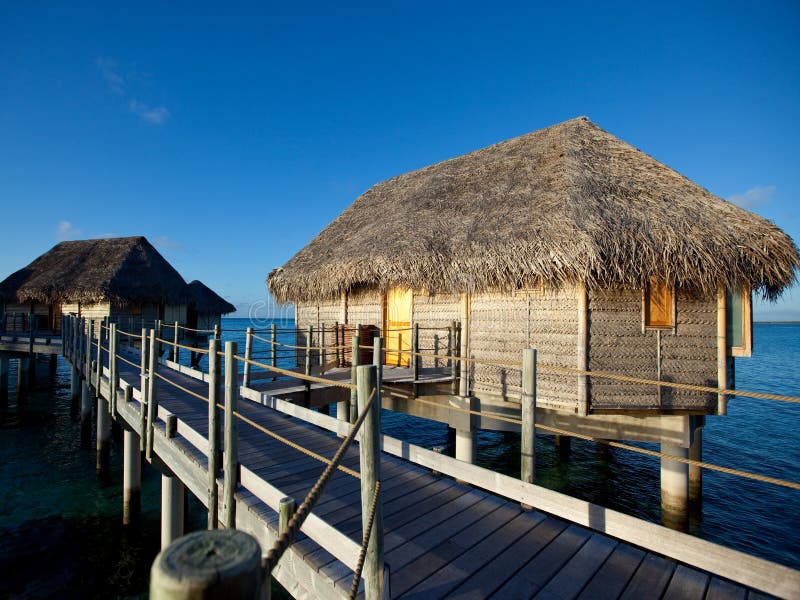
612, 577
650, 579
721, 589
686, 584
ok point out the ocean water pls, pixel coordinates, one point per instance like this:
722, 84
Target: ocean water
60, 523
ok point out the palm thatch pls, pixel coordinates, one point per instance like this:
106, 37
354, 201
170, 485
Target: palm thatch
204, 300
569, 203
121, 270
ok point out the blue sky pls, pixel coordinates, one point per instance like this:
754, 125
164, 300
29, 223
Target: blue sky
230, 134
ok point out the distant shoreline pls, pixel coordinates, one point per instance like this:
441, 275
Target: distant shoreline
776, 322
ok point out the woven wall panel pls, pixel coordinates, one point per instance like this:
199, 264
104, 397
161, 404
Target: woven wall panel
365, 306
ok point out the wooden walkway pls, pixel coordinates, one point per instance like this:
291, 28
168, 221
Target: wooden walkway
443, 539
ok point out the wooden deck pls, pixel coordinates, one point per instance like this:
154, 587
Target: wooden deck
443, 539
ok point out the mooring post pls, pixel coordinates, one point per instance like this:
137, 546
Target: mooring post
528, 402
273, 336
248, 355
345, 410
213, 432
231, 437
152, 394
370, 467
209, 564
176, 352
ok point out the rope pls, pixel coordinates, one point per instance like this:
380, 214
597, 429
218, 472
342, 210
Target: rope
688, 461
295, 374
180, 387
365, 542
276, 343
125, 360
286, 537
191, 348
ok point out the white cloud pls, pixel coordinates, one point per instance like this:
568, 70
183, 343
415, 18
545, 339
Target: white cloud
152, 116
66, 230
754, 197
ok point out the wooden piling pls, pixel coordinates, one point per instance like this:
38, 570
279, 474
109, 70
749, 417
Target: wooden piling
209, 564
131, 475
286, 509
528, 402
103, 438
213, 432
172, 508
248, 355
370, 467
231, 455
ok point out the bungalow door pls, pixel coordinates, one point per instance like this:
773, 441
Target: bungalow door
398, 326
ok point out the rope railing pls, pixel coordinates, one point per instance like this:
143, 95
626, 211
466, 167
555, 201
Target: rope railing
296, 374
286, 537
556, 430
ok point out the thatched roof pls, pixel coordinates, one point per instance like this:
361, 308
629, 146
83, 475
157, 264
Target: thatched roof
207, 301
563, 204
122, 270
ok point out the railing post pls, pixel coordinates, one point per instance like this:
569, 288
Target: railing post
353, 408
158, 335
309, 334
370, 466
98, 376
414, 355
87, 374
213, 432
248, 354
528, 402
152, 394
322, 353
337, 343
454, 363
113, 366
273, 335
144, 383
176, 352
231, 437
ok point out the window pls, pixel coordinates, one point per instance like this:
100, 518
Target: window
659, 306
739, 322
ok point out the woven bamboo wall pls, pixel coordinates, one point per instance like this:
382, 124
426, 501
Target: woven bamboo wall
435, 314
503, 324
618, 345
365, 306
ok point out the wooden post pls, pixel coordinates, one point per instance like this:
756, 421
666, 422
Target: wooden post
370, 466
213, 432
454, 366
231, 437
342, 409
144, 384
209, 564
98, 375
113, 369
176, 352
528, 402
103, 438
248, 355
414, 356
158, 335
88, 370
337, 343
309, 334
286, 509
322, 353
131, 474
273, 335
674, 487
152, 394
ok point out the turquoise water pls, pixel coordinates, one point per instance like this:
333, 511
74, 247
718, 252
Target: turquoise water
60, 523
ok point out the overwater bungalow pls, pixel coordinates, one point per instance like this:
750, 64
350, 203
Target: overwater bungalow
206, 307
567, 240
124, 279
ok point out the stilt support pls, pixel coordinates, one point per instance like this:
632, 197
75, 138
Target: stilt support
131, 478
696, 473
674, 488
172, 499
103, 435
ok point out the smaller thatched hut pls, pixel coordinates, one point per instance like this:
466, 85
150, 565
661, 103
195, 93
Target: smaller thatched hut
124, 279
206, 307
566, 239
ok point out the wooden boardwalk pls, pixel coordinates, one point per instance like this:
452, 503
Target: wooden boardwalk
443, 539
